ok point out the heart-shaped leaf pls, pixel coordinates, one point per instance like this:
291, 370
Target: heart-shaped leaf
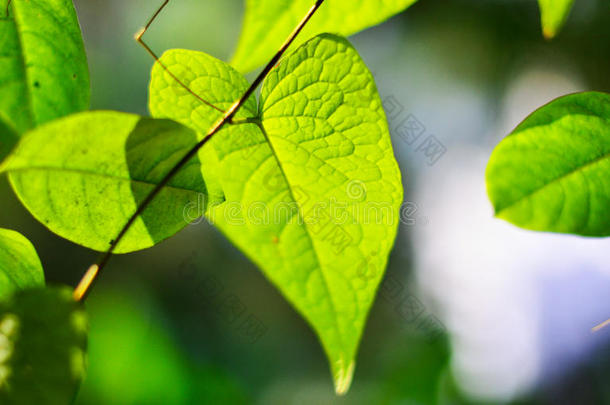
20, 266
268, 22
553, 14
553, 172
84, 175
43, 335
311, 185
43, 67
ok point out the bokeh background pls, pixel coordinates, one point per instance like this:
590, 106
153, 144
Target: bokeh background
473, 310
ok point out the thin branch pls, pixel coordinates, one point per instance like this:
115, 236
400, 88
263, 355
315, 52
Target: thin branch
139, 40
84, 286
8, 4
601, 326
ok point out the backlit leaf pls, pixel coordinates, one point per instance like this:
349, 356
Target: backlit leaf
20, 266
553, 14
43, 67
84, 175
309, 179
553, 172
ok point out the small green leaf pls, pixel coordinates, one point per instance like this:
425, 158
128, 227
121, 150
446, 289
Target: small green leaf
84, 175
553, 14
43, 337
311, 185
268, 22
553, 172
43, 67
20, 266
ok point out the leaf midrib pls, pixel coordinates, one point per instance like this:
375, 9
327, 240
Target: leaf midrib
555, 180
91, 173
307, 232
28, 92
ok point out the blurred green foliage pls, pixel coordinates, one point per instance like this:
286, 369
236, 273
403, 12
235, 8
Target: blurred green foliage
134, 359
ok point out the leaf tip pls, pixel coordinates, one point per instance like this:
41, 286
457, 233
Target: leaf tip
343, 377
548, 33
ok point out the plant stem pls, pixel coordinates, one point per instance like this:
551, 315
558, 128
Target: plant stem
84, 286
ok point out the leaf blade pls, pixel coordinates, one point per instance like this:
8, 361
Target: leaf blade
354, 152
267, 22
550, 174
553, 15
43, 349
20, 267
83, 176
49, 77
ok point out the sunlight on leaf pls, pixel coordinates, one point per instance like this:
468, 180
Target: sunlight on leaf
553, 14
267, 22
20, 266
84, 175
553, 172
311, 185
43, 67
43, 334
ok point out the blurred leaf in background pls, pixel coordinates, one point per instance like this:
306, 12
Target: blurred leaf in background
553, 14
43, 337
268, 22
40, 79
20, 267
134, 359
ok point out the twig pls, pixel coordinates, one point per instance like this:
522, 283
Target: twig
92, 274
600, 326
139, 40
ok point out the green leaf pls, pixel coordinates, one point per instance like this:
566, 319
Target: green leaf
553, 14
268, 22
20, 266
43, 335
553, 172
8, 139
311, 185
43, 67
84, 175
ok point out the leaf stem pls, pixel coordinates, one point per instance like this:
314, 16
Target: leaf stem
84, 286
139, 40
601, 325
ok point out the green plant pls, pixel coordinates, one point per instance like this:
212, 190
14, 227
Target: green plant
118, 183
553, 172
